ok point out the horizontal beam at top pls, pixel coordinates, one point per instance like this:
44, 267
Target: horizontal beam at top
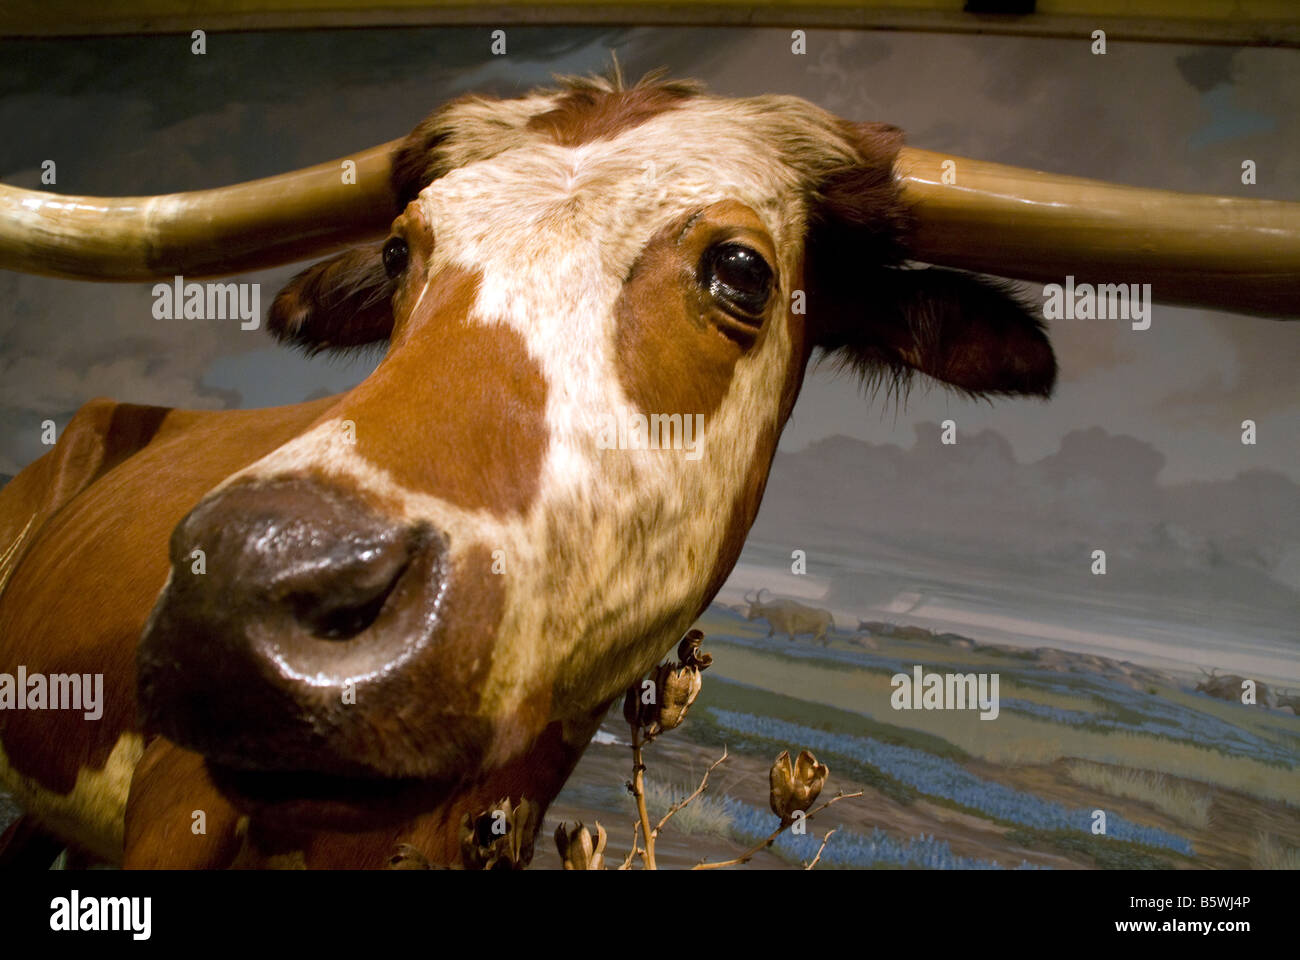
1235, 22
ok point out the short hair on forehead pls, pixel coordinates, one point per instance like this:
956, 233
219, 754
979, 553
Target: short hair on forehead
592, 108
612, 82
476, 127
808, 141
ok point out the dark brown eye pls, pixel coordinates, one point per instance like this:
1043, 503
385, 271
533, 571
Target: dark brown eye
396, 253
738, 277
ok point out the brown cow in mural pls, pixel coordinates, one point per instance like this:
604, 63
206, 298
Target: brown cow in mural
341, 626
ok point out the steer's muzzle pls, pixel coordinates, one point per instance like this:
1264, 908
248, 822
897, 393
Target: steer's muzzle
295, 634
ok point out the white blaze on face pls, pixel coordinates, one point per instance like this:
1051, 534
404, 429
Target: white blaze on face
612, 559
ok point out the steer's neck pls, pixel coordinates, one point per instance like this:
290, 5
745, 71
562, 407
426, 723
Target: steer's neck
172, 786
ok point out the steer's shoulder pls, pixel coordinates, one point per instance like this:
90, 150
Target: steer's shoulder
100, 435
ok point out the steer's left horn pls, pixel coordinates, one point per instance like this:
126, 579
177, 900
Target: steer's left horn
1221, 252
250, 225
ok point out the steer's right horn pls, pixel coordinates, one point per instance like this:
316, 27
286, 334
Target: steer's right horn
225, 230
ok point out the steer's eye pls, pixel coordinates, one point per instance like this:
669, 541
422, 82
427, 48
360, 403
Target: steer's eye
738, 277
396, 254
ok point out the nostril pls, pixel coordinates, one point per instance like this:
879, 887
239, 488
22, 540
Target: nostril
335, 592
343, 613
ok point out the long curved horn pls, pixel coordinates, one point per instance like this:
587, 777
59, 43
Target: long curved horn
1238, 255
260, 223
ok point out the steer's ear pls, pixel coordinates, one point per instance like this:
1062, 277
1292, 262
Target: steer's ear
887, 322
339, 303
964, 330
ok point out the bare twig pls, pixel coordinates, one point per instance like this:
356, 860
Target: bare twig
820, 849
635, 848
835, 799
747, 855
704, 782
638, 791
764, 844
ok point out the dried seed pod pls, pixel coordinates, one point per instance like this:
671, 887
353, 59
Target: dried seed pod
633, 708
678, 687
688, 651
577, 849
499, 838
795, 786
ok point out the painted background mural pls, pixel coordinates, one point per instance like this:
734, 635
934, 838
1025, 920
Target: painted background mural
931, 556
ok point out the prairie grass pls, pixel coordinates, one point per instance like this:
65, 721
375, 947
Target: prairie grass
723, 816
944, 778
706, 814
1012, 739
1185, 804
1277, 726
850, 848
1272, 854
1017, 740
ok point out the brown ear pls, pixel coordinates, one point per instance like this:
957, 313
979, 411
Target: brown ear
338, 303
417, 162
862, 202
344, 302
967, 331
421, 158
886, 322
